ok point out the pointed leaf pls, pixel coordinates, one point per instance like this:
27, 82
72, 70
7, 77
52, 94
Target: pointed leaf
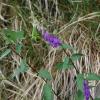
5, 53
79, 95
47, 92
13, 36
67, 46
92, 76
44, 74
59, 66
21, 69
76, 56
35, 34
18, 48
67, 64
79, 80
23, 66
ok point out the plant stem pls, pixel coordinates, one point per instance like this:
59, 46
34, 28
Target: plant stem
77, 71
33, 69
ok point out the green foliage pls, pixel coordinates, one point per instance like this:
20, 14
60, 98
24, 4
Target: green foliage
55, 31
43, 73
79, 80
5, 53
67, 46
92, 76
58, 16
47, 92
86, 5
22, 68
18, 48
59, 66
13, 36
76, 56
35, 34
66, 64
79, 95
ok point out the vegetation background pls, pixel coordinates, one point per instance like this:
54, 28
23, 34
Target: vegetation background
75, 22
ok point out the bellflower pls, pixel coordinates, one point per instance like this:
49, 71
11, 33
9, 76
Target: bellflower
86, 90
51, 39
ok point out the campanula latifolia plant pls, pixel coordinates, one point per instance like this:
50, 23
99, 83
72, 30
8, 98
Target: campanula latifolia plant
49, 49
68, 63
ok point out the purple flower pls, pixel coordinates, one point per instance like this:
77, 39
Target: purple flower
86, 90
51, 39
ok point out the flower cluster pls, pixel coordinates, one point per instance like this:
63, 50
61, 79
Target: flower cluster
51, 39
86, 90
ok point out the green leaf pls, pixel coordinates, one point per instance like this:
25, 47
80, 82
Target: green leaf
5, 53
76, 56
59, 66
18, 48
47, 92
13, 36
79, 95
35, 34
23, 67
66, 64
44, 74
55, 31
92, 76
66, 46
79, 80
